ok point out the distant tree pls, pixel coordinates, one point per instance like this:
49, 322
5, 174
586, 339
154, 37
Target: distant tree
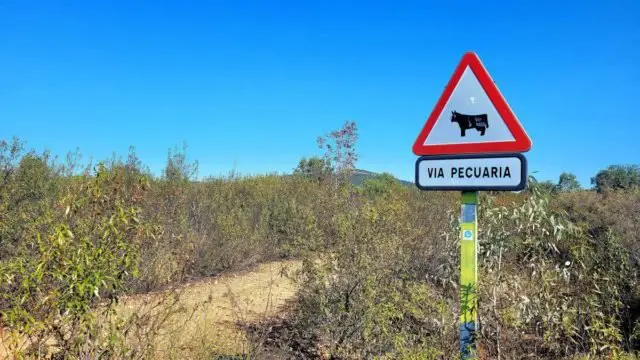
567, 182
10, 155
313, 168
380, 184
546, 186
340, 149
133, 164
617, 177
178, 169
32, 178
72, 165
535, 185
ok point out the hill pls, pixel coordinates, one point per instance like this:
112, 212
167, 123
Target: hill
359, 176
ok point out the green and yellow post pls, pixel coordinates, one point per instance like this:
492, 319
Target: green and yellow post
468, 275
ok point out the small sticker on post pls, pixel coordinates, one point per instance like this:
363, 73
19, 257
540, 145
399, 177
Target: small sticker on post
467, 235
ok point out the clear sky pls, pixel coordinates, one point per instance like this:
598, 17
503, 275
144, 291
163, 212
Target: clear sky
250, 85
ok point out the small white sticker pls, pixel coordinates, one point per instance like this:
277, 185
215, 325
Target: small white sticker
467, 235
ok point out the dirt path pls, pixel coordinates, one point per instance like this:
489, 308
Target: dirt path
211, 309
201, 317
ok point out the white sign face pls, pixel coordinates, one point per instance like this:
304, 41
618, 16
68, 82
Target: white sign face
471, 172
469, 116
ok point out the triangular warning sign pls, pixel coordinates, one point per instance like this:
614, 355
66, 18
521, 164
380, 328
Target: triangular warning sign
471, 117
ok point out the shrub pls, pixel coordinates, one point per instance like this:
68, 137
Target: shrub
548, 285
360, 297
59, 276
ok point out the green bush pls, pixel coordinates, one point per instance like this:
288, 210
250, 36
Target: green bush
81, 262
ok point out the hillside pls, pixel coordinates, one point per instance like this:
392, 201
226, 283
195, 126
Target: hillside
359, 176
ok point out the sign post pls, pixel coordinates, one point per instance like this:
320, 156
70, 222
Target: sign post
472, 141
468, 274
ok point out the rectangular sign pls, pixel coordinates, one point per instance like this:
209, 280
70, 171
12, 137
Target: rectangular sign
494, 172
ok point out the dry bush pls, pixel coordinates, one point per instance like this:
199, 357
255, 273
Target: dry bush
208, 227
550, 287
367, 294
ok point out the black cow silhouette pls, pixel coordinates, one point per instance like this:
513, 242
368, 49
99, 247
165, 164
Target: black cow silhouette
479, 122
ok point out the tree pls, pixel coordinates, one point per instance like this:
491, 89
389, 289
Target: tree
542, 187
313, 168
178, 169
340, 149
546, 186
617, 177
380, 184
10, 155
567, 182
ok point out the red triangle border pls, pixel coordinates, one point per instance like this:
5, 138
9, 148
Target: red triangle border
521, 143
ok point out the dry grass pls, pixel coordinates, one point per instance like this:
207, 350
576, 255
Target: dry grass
212, 309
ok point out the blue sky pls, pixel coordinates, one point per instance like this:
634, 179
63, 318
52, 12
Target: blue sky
251, 85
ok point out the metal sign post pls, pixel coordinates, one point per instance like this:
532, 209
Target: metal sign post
468, 274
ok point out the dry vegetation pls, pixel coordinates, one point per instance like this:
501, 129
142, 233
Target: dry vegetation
212, 312
107, 261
